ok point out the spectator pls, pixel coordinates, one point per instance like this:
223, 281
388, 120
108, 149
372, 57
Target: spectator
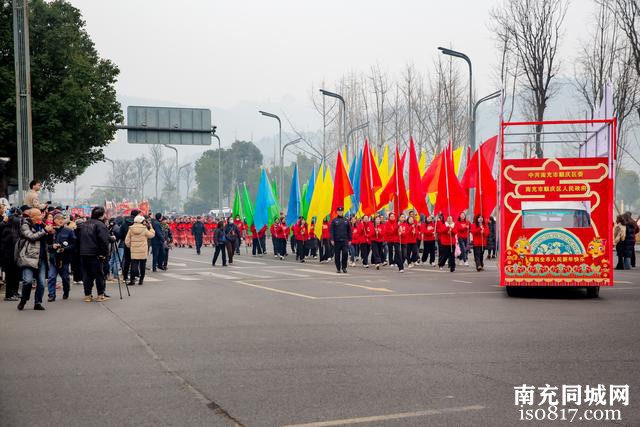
8, 239
31, 256
219, 240
60, 253
124, 229
137, 241
168, 242
619, 236
93, 244
157, 243
31, 198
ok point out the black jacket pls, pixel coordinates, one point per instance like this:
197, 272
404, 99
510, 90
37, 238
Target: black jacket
158, 239
8, 238
63, 234
93, 238
197, 229
123, 230
340, 229
232, 232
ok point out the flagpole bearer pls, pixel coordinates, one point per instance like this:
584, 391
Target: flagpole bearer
213, 133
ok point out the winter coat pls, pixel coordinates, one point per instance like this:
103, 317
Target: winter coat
30, 247
629, 241
491, 240
619, 233
63, 234
340, 230
8, 239
137, 238
93, 238
158, 237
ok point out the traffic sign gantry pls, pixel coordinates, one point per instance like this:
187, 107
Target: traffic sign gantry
168, 125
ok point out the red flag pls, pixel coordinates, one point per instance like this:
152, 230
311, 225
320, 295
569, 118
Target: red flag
486, 188
452, 199
396, 189
368, 182
374, 175
341, 185
417, 197
430, 178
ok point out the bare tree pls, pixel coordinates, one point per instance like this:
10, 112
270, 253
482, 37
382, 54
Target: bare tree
156, 161
143, 171
379, 87
168, 171
189, 177
533, 29
627, 13
122, 179
607, 57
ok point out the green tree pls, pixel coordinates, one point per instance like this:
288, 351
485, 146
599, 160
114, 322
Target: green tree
74, 106
240, 163
195, 206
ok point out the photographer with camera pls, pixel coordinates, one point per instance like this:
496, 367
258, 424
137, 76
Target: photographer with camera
60, 253
116, 251
93, 244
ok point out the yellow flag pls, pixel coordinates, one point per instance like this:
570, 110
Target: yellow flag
316, 198
457, 158
383, 171
422, 163
345, 160
324, 207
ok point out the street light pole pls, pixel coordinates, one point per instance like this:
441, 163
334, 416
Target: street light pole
355, 129
344, 114
273, 116
177, 175
472, 142
213, 133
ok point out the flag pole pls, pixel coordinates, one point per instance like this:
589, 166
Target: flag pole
446, 179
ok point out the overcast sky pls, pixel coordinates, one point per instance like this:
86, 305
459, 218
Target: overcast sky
239, 56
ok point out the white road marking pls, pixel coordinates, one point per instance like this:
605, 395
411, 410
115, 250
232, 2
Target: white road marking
388, 417
191, 260
425, 294
622, 281
151, 279
259, 275
180, 277
217, 275
367, 287
177, 264
280, 291
461, 281
306, 270
242, 261
286, 273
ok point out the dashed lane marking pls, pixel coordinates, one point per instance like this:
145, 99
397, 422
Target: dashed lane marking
280, 291
286, 273
181, 277
461, 281
242, 273
176, 264
389, 417
243, 261
151, 279
217, 275
425, 294
308, 270
369, 288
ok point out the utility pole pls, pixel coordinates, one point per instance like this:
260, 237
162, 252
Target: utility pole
22, 61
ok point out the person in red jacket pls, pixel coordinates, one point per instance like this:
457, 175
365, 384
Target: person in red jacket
325, 247
256, 248
392, 238
356, 239
377, 240
462, 230
366, 232
313, 240
302, 237
446, 243
281, 236
273, 230
404, 236
428, 231
479, 232
412, 242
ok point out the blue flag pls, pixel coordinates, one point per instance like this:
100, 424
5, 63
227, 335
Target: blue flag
264, 201
355, 182
294, 208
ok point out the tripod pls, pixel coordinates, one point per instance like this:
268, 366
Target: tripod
114, 249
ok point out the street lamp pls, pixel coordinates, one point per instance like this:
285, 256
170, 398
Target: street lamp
273, 116
473, 136
113, 166
472, 144
213, 133
177, 175
344, 114
355, 129
294, 142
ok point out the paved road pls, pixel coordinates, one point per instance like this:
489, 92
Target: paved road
269, 343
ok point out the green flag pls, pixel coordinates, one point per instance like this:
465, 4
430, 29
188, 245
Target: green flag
248, 207
237, 206
305, 204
